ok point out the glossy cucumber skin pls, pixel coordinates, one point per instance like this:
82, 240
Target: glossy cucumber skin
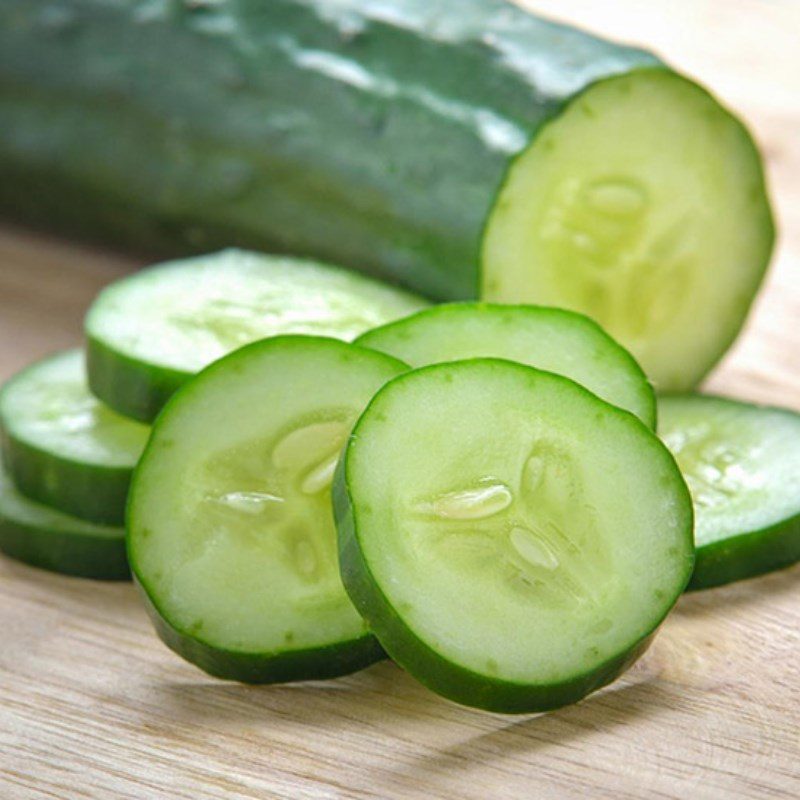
367, 133
452, 680
747, 555
87, 491
317, 663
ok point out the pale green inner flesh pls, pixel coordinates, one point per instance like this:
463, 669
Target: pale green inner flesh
551, 339
18, 509
519, 527
232, 527
742, 463
50, 407
643, 206
186, 314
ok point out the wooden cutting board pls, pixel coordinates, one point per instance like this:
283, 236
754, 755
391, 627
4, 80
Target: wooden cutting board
93, 706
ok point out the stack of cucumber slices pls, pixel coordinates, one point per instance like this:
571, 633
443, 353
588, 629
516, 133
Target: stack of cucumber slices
70, 440
336, 472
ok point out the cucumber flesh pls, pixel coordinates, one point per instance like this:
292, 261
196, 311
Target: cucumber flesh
742, 465
47, 538
484, 537
62, 446
231, 533
552, 339
150, 332
642, 205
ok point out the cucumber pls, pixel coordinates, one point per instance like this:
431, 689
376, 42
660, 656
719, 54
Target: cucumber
650, 215
552, 339
230, 528
742, 464
425, 141
62, 446
150, 332
485, 538
47, 538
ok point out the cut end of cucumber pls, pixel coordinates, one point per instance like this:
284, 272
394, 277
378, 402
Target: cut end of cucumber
642, 205
231, 532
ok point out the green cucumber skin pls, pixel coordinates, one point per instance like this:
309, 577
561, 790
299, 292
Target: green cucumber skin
65, 553
369, 134
318, 663
92, 493
80, 555
131, 387
748, 555
452, 680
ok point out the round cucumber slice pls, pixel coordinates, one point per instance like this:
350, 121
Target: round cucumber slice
230, 526
62, 446
485, 537
642, 205
742, 465
552, 339
150, 332
50, 539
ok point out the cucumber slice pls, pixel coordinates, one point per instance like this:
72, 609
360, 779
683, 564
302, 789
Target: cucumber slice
642, 205
230, 527
63, 447
46, 538
552, 339
742, 464
486, 537
150, 332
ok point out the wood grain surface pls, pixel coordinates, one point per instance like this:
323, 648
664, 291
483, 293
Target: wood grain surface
93, 706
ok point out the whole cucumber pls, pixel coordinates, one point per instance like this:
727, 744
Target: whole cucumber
408, 138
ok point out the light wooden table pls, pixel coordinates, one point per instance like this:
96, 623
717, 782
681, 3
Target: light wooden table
93, 706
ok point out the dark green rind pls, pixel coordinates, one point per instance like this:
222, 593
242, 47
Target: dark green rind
314, 663
87, 491
69, 549
335, 130
372, 338
131, 387
442, 676
747, 555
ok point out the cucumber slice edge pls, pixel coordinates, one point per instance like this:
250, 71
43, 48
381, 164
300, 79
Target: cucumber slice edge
649, 414
50, 539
